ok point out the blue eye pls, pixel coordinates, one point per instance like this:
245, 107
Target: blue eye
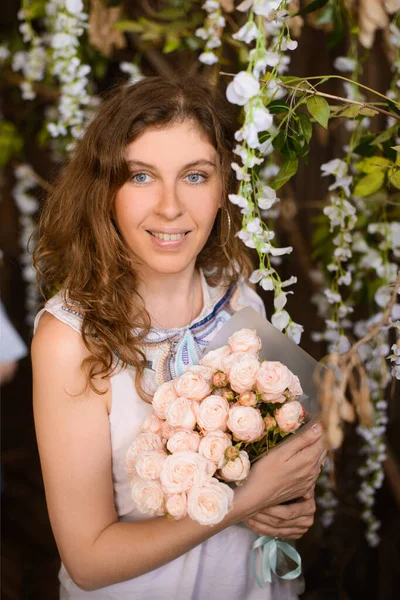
196, 178
140, 178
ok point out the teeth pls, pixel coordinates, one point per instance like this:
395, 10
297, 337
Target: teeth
168, 236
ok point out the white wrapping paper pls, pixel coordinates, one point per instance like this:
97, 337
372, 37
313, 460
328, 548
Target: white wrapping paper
276, 346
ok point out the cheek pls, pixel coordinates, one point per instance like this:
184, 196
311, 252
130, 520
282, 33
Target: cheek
127, 210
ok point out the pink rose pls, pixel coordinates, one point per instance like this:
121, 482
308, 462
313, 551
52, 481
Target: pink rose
229, 360
246, 423
202, 370
247, 399
213, 414
290, 416
220, 379
180, 414
151, 423
243, 372
213, 359
192, 385
176, 505
149, 464
163, 397
148, 496
183, 470
273, 379
143, 443
295, 387
238, 469
209, 503
227, 394
245, 340
213, 447
183, 440
167, 431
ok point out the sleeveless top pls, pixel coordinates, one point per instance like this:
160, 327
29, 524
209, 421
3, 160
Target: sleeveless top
219, 568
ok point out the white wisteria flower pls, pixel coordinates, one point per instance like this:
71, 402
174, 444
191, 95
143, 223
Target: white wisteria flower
345, 64
268, 198
243, 87
248, 33
280, 320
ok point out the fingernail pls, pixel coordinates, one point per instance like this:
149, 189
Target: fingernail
317, 428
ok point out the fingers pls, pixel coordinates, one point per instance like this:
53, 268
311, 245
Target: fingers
310, 494
288, 512
293, 533
304, 439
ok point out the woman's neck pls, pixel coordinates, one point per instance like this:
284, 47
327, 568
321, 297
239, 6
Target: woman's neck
172, 299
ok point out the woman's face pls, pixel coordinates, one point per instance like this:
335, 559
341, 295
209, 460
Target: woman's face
166, 210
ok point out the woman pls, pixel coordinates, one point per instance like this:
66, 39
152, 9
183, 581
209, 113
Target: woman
139, 235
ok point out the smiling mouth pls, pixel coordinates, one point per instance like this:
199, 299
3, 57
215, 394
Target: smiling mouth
168, 237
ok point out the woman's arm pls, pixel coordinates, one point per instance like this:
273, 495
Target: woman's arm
73, 436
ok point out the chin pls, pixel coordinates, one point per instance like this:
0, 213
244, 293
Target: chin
168, 265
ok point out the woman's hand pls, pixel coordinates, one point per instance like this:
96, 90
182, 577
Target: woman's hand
290, 521
288, 472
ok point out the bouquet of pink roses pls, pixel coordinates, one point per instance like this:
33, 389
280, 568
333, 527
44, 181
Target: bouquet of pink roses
208, 425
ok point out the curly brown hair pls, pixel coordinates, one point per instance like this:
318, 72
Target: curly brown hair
79, 247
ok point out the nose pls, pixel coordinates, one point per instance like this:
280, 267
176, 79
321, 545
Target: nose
169, 205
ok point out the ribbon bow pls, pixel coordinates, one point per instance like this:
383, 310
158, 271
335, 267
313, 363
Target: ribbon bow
269, 546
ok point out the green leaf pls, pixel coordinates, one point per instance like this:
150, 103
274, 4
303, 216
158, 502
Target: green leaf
319, 109
291, 80
172, 43
129, 26
396, 148
312, 6
364, 147
369, 184
170, 14
384, 136
288, 169
355, 110
373, 163
277, 106
306, 126
394, 174
10, 142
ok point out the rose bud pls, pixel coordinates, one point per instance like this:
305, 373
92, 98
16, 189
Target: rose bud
220, 379
247, 399
270, 422
228, 395
232, 452
290, 416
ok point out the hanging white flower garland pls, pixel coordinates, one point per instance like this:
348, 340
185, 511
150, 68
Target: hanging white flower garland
267, 18
28, 207
67, 23
211, 32
360, 258
34, 61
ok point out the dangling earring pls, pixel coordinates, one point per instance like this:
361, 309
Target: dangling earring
223, 246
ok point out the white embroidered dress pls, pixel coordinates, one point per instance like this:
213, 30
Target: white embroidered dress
219, 568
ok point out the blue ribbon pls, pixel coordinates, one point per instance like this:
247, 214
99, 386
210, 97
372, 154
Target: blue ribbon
269, 547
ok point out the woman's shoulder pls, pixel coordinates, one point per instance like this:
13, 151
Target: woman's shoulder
62, 310
56, 341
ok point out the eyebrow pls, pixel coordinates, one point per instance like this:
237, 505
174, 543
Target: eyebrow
195, 163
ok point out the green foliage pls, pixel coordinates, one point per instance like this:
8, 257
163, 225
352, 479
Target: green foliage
312, 6
11, 142
319, 109
289, 168
370, 184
